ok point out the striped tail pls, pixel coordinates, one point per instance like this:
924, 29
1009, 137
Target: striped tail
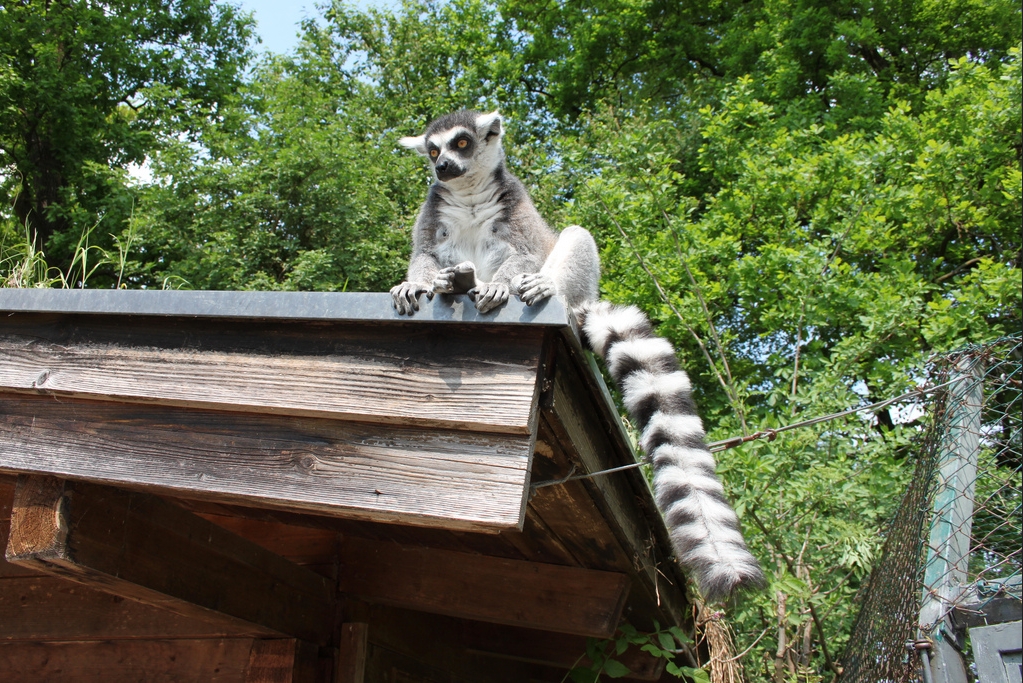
704, 529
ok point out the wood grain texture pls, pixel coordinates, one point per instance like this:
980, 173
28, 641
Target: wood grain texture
570, 514
551, 649
141, 547
483, 382
405, 645
450, 479
514, 592
51, 608
271, 661
140, 661
8, 570
302, 545
38, 519
494, 647
351, 661
625, 502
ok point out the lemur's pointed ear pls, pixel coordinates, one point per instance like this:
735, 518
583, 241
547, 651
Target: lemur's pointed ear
489, 125
416, 143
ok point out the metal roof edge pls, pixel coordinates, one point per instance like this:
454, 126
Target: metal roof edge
307, 306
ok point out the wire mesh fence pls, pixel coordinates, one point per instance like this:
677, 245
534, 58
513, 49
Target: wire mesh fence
952, 559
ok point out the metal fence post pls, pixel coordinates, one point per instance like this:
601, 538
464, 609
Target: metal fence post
948, 554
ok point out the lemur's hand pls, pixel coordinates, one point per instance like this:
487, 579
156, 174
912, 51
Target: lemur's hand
405, 297
489, 295
533, 287
456, 279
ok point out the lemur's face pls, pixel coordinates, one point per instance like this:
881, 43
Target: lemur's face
464, 144
451, 152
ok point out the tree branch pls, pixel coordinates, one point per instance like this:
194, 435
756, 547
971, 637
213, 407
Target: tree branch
830, 663
671, 305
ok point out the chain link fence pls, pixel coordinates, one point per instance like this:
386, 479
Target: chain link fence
952, 560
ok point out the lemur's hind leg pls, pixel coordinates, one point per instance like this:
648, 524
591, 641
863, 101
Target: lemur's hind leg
572, 270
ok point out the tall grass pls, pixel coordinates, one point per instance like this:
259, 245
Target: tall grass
22, 264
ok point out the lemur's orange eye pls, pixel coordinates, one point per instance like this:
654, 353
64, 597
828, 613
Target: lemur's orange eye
433, 153
462, 143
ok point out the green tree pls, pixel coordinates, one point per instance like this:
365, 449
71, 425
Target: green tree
819, 272
807, 198
87, 88
805, 55
302, 184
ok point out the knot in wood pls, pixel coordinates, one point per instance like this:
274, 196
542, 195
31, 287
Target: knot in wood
307, 462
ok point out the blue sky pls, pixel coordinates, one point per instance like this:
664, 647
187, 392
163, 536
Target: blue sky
278, 20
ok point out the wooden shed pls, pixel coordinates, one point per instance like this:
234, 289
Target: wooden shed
248, 486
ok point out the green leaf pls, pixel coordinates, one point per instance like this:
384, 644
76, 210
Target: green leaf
698, 675
615, 669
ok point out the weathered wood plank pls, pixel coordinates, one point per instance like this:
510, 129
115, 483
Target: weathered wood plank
281, 660
144, 661
571, 515
624, 499
449, 479
50, 608
351, 662
514, 592
141, 547
481, 383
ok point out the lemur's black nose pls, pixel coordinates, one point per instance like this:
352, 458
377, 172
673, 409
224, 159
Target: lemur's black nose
443, 166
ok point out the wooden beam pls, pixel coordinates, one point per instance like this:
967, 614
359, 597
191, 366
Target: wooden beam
351, 662
530, 594
483, 381
8, 570
141, 547
579, 418
449, 479
46, 607
479, 646
405, 645
281, 660
221, 660
551, 649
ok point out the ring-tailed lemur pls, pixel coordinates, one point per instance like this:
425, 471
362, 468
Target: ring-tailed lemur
479, 233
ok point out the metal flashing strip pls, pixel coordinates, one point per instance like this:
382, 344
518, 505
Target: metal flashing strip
318, 306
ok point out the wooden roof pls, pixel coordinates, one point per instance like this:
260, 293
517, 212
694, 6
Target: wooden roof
309, 478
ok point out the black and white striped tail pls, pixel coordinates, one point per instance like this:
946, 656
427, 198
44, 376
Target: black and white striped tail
704, 528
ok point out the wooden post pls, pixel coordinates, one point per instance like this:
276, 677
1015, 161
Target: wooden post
948, 554
351, 661
281, 660
141, 547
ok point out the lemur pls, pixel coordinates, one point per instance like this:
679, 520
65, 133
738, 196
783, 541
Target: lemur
478, 233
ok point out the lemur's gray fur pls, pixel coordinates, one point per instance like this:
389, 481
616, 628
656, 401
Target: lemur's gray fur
479, 233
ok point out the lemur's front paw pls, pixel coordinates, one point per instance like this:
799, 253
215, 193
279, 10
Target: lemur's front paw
533, 287
489, 295
456, 279
405, 297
